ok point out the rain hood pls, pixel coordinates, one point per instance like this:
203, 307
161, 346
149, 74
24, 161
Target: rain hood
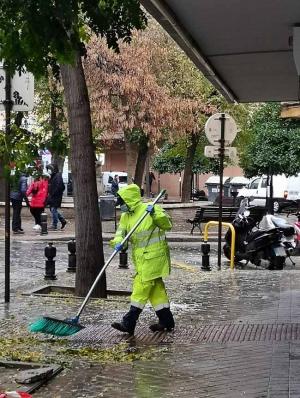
131, 196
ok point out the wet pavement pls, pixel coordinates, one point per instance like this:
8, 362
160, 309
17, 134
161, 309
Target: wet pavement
237, 332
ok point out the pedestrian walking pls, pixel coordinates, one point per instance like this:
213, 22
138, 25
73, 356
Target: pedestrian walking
55, 193
17, 195
115, 185
38, 193
151, 179
151, 258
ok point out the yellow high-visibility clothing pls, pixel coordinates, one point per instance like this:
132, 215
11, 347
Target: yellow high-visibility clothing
150, 251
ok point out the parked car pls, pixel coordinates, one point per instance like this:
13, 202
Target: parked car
293, 188
256, 191
108, 176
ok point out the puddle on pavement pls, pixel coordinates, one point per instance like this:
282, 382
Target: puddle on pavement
7, 379
94, 380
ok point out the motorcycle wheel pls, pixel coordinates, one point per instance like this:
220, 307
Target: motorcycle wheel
276, 207
277, 263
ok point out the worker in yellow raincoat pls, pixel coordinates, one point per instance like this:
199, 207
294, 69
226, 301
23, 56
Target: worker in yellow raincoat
151, 259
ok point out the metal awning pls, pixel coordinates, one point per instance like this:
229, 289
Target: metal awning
243, 47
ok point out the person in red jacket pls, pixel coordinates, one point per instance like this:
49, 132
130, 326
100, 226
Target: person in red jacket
38, 191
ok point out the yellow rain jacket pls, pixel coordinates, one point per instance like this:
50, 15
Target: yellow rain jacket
150, 251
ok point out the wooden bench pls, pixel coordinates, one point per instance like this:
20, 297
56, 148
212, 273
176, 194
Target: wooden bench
211, 213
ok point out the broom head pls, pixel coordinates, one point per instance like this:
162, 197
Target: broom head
56, 327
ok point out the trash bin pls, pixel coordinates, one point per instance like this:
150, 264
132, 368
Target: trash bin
237, 183
213, 187
107, 208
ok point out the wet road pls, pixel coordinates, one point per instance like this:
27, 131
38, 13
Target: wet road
242, 369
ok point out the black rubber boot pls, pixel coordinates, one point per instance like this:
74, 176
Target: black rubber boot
129, 321
166, 321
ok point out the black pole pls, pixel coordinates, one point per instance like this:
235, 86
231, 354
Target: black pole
147, 174
271, 195
221, 168
8, 106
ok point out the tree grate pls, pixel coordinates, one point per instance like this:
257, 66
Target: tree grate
206, 333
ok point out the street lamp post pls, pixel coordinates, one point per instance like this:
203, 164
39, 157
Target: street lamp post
8, 107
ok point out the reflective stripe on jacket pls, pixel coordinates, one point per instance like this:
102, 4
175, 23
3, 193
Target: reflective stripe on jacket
150, 251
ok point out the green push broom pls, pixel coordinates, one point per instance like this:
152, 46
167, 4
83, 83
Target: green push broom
69, 326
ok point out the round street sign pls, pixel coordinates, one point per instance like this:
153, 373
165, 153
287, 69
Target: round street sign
213, 129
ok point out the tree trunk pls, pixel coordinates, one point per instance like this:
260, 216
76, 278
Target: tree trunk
57, 159
188, 167
140, 164
131, 156
89, 244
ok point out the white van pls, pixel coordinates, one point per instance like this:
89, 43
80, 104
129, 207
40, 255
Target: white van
108, 176
257, 191
293, 188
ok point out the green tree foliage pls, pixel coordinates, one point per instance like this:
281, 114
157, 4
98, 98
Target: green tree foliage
19, 151
171, 158
52, 131
272, 144
38, 33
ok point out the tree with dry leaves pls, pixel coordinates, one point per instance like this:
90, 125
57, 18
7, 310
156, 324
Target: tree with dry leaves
127, 96
177, 73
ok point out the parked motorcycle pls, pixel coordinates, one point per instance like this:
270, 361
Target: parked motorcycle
257, 245
297, 232
288, 232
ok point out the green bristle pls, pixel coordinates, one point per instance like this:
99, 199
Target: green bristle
56, 327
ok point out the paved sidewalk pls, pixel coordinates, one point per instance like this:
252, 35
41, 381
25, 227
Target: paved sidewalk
181, 234
237, 332
180, 231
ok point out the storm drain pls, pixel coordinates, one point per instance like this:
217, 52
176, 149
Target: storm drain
212, 333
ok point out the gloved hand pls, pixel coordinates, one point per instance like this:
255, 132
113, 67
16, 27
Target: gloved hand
150, 209
118, 247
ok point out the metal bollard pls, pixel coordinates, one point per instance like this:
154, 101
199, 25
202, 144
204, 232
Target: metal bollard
44, 230
50, 253
205, 248
72, 256
123, 259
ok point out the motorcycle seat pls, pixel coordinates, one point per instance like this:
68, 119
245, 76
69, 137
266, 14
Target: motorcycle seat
287, 229
261, 233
